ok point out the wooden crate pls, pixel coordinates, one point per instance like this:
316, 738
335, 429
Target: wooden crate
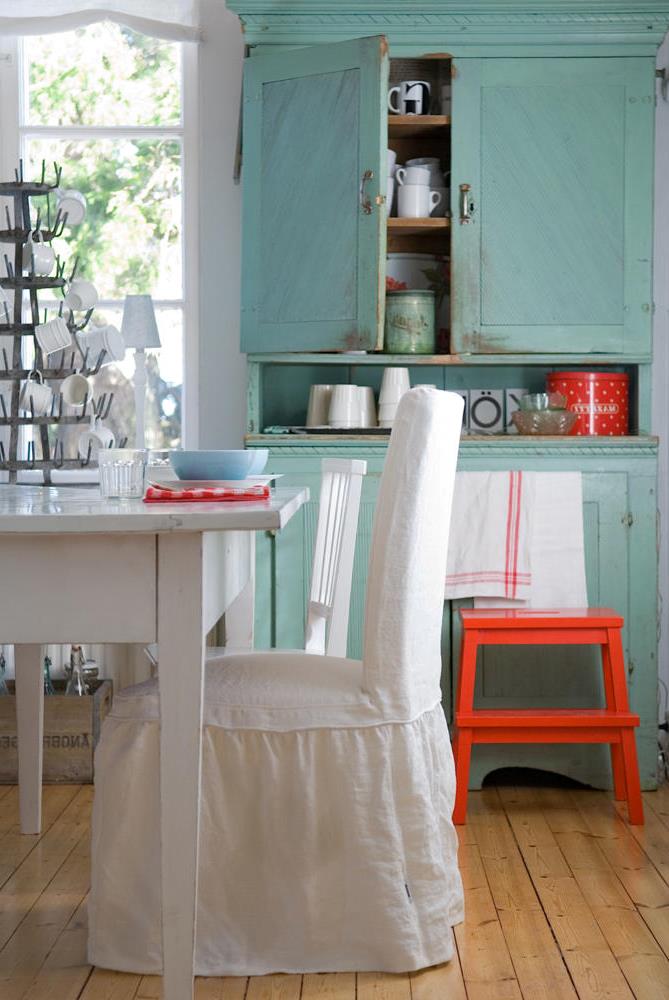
71, 732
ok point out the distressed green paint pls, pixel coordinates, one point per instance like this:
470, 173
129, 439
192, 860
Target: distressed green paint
558, 155
618, 480
312, 127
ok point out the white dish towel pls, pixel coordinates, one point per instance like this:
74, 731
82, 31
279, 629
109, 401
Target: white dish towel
557, 555
489, 546
517, 540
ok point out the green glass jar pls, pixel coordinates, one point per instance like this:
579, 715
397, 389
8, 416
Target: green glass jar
410, 327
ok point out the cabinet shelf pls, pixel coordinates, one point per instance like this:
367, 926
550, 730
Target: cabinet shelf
406, 126
416, 227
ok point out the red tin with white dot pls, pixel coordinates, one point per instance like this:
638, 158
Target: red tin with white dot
601, 400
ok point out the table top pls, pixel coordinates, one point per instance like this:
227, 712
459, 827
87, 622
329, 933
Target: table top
36, 510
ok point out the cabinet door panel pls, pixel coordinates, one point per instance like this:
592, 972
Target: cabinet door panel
558, 154
312, 128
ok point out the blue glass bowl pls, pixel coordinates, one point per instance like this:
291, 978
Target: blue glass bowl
236, 464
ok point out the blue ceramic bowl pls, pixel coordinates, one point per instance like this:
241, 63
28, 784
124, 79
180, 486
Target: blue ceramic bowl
219, 464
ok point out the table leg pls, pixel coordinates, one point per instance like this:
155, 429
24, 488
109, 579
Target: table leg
30, 732
180, 681
239, 618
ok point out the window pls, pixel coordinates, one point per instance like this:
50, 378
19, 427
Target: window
106, 103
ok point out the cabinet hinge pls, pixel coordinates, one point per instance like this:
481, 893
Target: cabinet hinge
628, 520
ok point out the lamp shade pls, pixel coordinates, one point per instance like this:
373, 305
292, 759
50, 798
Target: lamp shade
139, 327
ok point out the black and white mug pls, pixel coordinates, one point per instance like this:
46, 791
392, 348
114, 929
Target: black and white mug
413, 98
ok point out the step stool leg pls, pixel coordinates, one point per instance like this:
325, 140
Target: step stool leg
634, 801
464, 698
617, 766
618, 675
462, 751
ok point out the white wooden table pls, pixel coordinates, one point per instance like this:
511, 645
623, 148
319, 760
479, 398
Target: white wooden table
75, 568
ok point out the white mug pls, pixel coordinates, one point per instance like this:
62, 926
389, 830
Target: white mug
392, 159
431, 163
344, 406
390, 195
53, 336
367, 406
74, 204
413, 98
413, 175
97, 436
37, 391
38, 256
439, 210
102, 338
416, 201
319, 405
394, 384
74, 389
81, 295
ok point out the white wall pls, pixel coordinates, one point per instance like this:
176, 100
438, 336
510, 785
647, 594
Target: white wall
221, 367
661, 361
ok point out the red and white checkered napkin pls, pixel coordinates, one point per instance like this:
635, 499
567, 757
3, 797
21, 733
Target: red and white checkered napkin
209, 494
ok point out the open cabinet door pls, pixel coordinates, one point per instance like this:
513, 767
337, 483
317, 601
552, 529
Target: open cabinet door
314, 177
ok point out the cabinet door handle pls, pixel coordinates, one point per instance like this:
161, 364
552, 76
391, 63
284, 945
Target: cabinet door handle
365, 203
466, 204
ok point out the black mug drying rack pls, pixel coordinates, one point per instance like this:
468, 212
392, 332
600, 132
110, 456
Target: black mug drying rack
50, 453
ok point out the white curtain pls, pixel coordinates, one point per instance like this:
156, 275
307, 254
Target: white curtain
178, 20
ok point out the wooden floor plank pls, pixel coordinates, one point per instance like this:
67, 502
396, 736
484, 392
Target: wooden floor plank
592, 965
333, 986
537, 962
106, 985
383, 986
440, 981
33, 875
206, 988
277, 987
65, 971
15, 846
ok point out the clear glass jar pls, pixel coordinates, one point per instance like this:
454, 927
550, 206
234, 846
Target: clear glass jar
122, 472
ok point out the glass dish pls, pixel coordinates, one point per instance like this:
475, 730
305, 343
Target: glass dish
543, 421
122, 473
536, 401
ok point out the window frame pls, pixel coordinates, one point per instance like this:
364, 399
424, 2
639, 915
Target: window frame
15, 130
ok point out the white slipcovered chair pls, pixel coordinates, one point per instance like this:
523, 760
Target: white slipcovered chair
326, 841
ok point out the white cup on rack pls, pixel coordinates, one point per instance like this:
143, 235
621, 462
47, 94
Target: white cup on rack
81, 295
417, 201
440, 209
38, 256
433, 165
102, 338
35, 390
73, 204
53, 335
74, 389
344, 409
319, 405
96, 436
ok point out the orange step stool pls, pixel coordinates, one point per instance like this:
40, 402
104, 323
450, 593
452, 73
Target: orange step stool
528, 627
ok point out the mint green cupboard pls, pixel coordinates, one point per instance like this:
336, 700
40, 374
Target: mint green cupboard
549, 143
557, 157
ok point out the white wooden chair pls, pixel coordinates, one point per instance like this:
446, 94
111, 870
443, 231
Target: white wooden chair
332, 568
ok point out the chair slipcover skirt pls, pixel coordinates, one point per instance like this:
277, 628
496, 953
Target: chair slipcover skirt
338, 842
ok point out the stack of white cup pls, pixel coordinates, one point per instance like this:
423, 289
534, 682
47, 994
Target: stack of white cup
352, 406
394, 384
390, 191
426, 171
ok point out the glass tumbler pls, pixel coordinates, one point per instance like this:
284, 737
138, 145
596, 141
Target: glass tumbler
122, 472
